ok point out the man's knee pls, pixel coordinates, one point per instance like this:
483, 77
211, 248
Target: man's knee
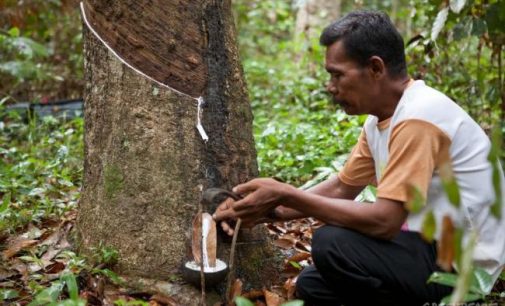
327, 244
313, 290
303, 285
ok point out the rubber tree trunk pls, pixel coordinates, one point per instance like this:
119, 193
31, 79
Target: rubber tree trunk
145, 162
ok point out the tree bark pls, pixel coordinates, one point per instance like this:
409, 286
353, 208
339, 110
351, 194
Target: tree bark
145, 163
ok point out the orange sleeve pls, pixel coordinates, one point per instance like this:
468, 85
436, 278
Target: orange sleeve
416, 148
359, 170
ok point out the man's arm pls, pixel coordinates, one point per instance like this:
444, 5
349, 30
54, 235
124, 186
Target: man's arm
333, 187
382, 219
358, 172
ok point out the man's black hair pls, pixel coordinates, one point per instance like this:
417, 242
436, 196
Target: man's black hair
365, 34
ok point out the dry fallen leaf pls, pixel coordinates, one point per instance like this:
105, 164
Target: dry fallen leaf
51, 239
54, 268
315, 224
196, 240
294, 264
204, 221
303, 246
17, 245
236, 289
290, 287
307, 233
278, 227
286, 241
5, 274
164, 299
211, 239
445, 246
19, 266
271, 298
299, 256
33, 232
253, 294
49, 255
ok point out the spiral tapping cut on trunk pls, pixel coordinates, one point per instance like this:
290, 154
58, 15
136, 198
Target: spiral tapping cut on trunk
199, 100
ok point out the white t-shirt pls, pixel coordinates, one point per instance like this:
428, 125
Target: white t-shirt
427, 132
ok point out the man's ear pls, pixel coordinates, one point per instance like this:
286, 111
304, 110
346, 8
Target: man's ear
376, 67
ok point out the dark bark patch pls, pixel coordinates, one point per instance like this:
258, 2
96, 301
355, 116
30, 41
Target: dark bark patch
163, 53
216, 100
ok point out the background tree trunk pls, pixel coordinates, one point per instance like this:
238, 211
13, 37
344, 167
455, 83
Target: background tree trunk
314, 15
144, 159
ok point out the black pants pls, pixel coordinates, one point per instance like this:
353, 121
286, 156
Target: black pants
354, 269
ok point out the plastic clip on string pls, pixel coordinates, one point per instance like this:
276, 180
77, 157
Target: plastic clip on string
199, 126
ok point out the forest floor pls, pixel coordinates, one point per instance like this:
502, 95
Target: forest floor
43, 255
40, 179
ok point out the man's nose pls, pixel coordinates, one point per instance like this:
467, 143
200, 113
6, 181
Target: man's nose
331, 88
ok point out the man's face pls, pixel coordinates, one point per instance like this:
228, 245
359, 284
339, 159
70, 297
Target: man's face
350, 84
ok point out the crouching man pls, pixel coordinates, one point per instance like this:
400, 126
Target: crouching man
373, 254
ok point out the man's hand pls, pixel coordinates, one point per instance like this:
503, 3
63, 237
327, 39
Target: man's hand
261, 198
224, 208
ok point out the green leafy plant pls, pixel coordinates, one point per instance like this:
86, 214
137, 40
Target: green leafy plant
460, 52
8, 294
296, 127
122, 302
40, 168
106, 256
41, 47
50, 296
23, 66
471, 284
242, 301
